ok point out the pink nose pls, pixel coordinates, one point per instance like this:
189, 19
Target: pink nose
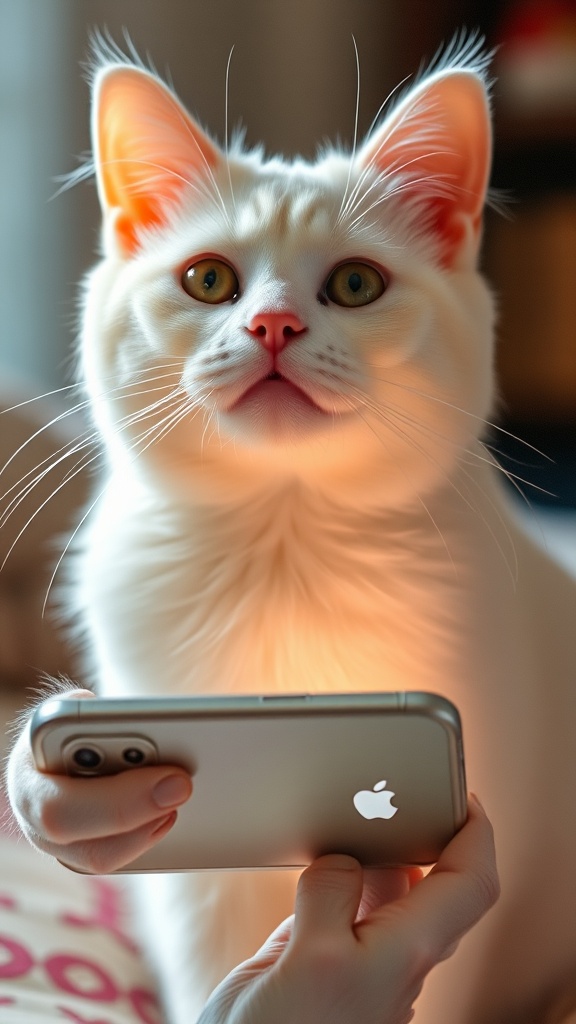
275, 330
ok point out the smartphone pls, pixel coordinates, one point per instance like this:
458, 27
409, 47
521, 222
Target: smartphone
278, 780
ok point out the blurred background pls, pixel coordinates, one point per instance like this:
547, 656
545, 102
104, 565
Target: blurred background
293, 84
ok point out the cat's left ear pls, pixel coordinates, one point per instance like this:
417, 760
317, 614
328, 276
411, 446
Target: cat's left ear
148, 151
436, 148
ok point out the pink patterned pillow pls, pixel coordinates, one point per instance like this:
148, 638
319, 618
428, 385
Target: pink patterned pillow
67, 955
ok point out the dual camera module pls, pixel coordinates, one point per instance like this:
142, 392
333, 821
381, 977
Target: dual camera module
107, 754
90, 758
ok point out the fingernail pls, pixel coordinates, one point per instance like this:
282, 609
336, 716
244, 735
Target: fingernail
337, 862
171, 791
477, 801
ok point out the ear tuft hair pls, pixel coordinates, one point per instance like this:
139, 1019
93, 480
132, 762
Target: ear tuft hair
105, 52
433, 149
466, 51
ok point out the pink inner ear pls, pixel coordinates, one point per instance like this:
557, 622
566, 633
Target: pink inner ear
148, 150
440, 138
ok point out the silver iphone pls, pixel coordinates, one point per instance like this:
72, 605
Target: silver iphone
278, 780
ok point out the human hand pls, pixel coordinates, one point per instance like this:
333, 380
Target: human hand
361, 944
94, 825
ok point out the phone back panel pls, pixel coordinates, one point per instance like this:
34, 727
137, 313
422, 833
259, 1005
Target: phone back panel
277, 782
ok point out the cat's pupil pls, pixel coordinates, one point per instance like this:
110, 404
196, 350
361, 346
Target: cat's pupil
210, 279
355, 282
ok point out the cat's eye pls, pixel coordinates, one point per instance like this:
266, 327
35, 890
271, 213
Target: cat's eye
210, 280
355, 284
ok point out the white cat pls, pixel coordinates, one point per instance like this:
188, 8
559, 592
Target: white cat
290, 365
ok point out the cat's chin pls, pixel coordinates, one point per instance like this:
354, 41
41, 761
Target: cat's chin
276, 411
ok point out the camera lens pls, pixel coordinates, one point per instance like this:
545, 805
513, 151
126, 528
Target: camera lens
87, 758
132, 755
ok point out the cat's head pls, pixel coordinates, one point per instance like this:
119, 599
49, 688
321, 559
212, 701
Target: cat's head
258, 319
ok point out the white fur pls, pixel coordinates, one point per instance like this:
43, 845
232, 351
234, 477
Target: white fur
368, 546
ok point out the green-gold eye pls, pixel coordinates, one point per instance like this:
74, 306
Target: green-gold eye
210, 280
355, 284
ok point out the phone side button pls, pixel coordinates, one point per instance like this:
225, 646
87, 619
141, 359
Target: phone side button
268, 698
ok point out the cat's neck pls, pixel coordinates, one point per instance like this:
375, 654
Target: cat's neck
286, 510
291, 583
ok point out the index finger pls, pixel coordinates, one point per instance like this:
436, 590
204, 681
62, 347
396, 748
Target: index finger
67, 809
64, 809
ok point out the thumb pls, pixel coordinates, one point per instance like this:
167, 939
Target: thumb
328, 896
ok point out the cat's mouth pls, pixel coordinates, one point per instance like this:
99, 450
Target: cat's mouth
275, 408
278, 390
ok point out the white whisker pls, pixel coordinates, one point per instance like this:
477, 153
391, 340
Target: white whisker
157, 429
37, 433
391, 417
200, 187
514, 570
417, 138
209, 172
421, 428
70, 540
226, 131
405, 473
473, 456
32, 517
383, 105
34, 477
52, 461
355, 136
29, 487
126, 420
465, 412
393, 183
207, 422
39, 398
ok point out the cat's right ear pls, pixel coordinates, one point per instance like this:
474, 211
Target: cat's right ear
147, 152
435, 148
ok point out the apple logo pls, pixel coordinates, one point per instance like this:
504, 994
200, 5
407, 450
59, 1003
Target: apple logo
375, 803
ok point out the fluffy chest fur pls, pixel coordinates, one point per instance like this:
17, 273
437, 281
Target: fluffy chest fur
287, 592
